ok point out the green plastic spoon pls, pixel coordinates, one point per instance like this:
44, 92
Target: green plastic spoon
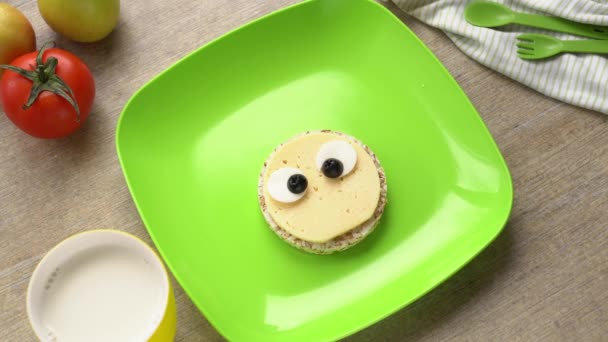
538, 46
491, 14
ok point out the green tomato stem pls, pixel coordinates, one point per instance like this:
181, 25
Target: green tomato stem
43, 78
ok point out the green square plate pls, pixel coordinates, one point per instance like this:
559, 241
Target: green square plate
192, 142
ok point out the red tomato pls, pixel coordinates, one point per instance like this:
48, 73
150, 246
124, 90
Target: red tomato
50, 115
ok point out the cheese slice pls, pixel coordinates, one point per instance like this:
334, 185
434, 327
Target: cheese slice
330, 207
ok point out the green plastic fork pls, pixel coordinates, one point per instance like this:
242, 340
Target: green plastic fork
539, 46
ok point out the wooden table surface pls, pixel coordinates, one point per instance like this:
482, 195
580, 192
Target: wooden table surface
544, 278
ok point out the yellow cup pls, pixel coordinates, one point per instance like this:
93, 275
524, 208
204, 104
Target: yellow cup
101, 285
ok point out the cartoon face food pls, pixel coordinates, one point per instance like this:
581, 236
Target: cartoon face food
321, 186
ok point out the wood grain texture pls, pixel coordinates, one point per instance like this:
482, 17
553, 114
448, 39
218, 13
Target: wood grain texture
545, 278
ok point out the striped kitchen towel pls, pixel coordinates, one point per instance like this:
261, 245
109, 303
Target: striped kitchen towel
579, 79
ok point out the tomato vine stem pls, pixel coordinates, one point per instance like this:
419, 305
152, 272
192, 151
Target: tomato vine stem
44, 78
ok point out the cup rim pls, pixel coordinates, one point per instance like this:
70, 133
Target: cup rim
91, 234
